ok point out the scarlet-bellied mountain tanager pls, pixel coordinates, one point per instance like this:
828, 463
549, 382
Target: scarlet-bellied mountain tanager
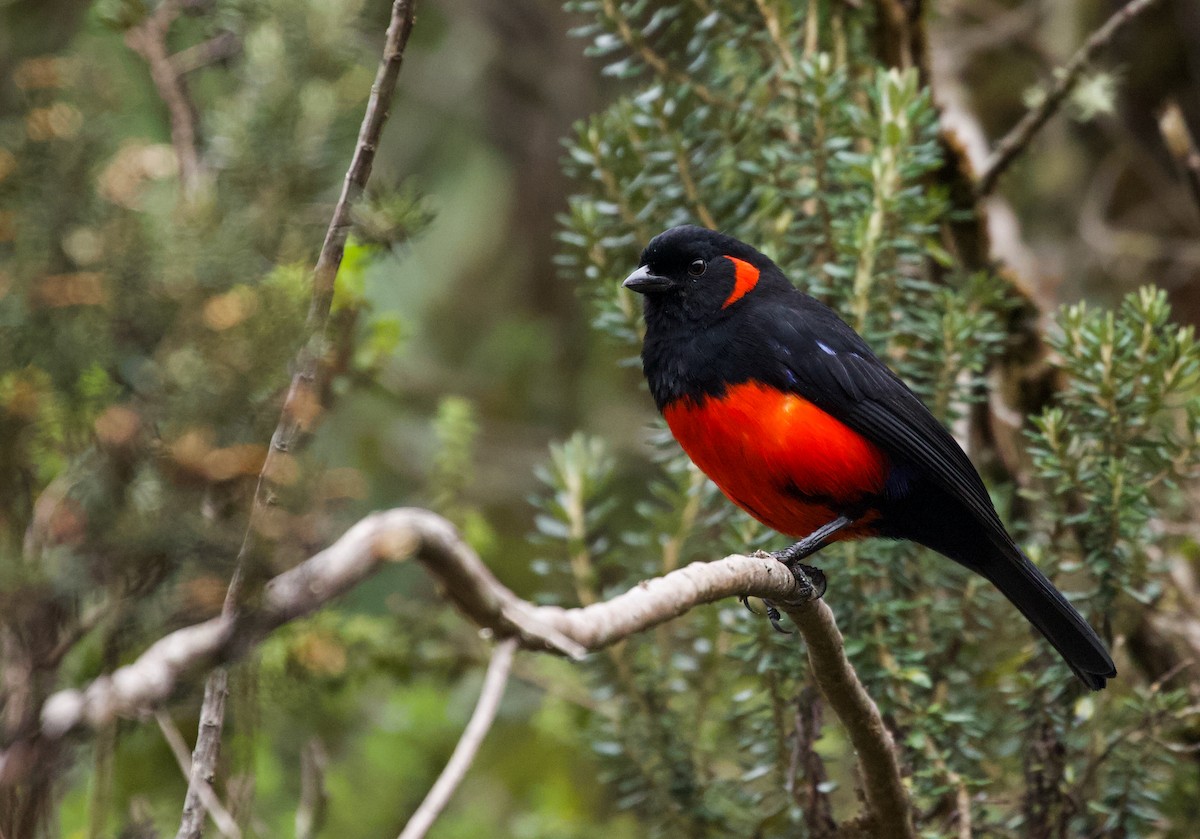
796, 420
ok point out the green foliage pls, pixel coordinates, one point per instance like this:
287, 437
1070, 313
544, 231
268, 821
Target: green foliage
1094, 95
1121, 436
147, 335
148, 332
135, 314
389, 217
456, 429
828, 163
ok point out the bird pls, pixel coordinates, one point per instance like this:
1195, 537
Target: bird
799, 423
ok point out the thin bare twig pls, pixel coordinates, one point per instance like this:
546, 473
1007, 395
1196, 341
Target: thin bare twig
149, 40
219, 47
220, 815
314, 798
1016, 140
204, 756
301, 405
472, 737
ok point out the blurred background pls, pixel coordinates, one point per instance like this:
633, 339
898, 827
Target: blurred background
150, 307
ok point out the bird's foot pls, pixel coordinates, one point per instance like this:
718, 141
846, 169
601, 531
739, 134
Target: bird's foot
812, 581
812, 585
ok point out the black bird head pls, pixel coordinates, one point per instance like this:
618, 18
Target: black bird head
693, 275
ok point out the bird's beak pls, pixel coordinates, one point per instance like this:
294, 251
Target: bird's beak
643, 282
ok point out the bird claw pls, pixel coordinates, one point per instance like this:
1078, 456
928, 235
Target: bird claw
773, 613
811, 579
773, 616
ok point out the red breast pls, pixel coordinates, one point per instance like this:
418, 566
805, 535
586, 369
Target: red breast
778, 456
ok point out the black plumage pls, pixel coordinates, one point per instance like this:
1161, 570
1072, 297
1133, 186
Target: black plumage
712, 330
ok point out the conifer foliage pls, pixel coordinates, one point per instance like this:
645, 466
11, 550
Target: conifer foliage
158, 226
773, 122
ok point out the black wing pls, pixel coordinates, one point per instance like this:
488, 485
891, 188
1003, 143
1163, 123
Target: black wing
830, 365
826, 362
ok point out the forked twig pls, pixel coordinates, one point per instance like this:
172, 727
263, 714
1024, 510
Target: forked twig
1016, 140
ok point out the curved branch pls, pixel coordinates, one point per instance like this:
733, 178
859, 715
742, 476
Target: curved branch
460, 761
301, 404
149, 40
405, 533
883, 783
390, 536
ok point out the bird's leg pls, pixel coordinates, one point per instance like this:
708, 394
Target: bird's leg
812, 580
811, 543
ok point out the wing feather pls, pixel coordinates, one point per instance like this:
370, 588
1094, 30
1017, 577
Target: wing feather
829, 364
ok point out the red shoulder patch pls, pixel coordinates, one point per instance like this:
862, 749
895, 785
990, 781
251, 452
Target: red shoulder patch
745, 278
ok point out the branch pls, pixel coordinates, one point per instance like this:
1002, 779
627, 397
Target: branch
150, 680
472, 737
413, 533
301, 405
314, 798
887, 800
1016, 140
224, 821
149, 40
219, 47
204, 762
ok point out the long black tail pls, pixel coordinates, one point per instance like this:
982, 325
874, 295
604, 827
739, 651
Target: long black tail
939, 520
1045, 607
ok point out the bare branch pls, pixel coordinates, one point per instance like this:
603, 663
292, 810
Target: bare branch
149, 680
219, 47
1016, 140
408, 532
314, 798
149, 40
221, 816
472, 737
204, 760
883, 783
300, 406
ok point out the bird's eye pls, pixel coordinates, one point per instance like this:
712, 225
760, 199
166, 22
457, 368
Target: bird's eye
697, 267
